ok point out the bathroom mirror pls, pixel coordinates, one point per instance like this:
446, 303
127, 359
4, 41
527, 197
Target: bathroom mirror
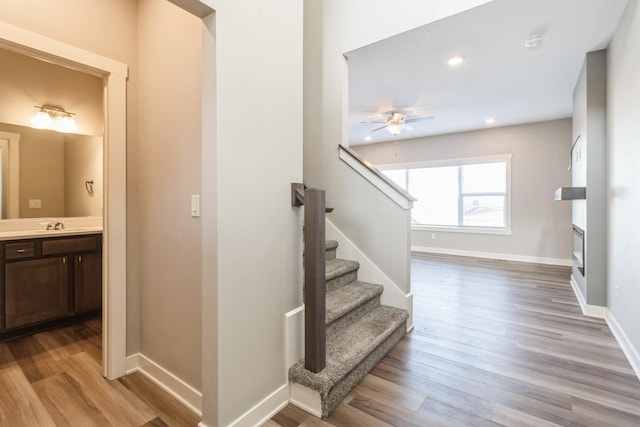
49, 174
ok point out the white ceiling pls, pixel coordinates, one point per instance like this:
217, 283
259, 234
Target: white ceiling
500, 77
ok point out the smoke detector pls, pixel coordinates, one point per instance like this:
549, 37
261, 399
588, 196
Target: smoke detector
534, 41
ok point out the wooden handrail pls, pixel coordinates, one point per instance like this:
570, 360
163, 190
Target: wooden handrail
375, 171
315, 342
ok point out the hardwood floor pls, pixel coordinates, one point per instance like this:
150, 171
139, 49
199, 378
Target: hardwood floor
54, 379
495, 343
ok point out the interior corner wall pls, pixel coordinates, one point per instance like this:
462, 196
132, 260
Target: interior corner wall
623, 135
259, 155
590, 170
540, 226
169, 172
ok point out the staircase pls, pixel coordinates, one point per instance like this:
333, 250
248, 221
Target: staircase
360, 332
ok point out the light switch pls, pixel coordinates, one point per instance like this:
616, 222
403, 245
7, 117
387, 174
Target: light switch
35, 203
195, 205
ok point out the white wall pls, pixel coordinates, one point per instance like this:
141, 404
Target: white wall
541, 227
259, 153
169, 173
623, 135
83, 160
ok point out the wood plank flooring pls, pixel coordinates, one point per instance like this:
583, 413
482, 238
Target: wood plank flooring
54, 379
495, 344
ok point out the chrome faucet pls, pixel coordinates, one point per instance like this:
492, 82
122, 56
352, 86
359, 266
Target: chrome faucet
59, 225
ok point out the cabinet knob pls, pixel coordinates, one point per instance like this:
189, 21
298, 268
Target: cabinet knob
80, 258
21, 251
64, 260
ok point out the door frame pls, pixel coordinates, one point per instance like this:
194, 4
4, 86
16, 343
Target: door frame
114, 272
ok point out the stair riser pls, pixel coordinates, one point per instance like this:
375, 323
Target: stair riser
331, 254
342, 388
354, 315
342, 280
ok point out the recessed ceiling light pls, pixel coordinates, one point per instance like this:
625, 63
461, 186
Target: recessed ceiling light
367, 138
455, 60
490, 120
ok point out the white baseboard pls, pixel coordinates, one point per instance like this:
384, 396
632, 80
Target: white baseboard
264, 410
183, 392
306, 399
596, 311
293, 337
604, 313
627, 347
494, 255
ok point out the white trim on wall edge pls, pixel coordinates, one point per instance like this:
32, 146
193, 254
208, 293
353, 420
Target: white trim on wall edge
186, 394
375, 180
588, 310
264, 410
306, 399
627, 347
494, 255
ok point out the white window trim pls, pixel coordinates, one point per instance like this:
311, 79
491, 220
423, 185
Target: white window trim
456, 162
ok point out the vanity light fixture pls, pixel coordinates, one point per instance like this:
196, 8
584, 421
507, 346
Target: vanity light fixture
54, 118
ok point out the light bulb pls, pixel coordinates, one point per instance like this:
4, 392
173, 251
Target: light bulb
66, 124
42, 120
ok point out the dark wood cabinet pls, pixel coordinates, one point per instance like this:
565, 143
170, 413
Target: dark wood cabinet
88, 282
36, 290
48, 281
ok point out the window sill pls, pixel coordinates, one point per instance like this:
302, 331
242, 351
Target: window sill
469, 230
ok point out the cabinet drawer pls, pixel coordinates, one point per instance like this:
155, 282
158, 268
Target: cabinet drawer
19, 250
76, 244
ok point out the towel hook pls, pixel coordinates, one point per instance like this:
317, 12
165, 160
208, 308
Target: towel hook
89, 187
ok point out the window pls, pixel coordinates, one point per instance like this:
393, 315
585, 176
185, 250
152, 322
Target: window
465, 195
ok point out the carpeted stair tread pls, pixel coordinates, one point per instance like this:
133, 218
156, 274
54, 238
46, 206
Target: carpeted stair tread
338, 267
349, 297
331, 244
348, 347
331, 247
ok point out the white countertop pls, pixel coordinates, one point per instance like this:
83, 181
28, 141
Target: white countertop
32, 228
34, 234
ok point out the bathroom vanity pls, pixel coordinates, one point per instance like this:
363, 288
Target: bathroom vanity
48, 281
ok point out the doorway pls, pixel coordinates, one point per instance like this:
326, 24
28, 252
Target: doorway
113, 75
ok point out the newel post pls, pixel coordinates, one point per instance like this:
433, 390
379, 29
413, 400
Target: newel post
314, 280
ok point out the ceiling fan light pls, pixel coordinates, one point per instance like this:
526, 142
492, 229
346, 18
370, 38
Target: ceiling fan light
395, 129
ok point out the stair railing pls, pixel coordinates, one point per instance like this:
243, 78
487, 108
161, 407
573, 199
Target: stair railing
315, 340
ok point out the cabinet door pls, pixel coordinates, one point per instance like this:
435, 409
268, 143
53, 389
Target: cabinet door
88, 282
36, 290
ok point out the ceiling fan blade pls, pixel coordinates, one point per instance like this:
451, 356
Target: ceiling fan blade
418, 119
381, 127
377, 121
407, 127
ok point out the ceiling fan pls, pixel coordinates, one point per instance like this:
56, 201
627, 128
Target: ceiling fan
397, 122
